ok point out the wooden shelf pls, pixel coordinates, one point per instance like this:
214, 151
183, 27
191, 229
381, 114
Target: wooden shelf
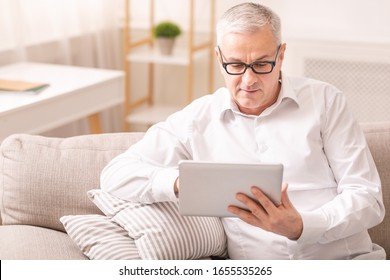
140, 47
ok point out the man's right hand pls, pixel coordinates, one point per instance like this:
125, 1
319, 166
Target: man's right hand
176, 186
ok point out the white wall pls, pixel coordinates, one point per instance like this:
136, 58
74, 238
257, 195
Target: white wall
347, 20
343, 28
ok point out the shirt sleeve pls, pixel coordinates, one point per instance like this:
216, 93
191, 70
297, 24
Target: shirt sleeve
358, 204
147, 171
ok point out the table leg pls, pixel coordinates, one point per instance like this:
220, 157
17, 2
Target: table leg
94, 123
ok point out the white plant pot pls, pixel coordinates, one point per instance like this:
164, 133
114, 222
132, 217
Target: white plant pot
166, 45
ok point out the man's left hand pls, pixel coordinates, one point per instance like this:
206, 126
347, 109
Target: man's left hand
282, 219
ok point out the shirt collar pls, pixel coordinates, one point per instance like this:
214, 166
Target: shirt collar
286, 92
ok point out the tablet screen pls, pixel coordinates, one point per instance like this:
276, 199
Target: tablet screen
208, 188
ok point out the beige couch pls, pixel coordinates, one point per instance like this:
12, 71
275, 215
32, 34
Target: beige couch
43, 179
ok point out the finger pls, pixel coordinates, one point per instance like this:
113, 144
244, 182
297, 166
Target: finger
249, 202
285, 200
253, 206
236, 210
244, 215
176, 185
239, 212
263, 200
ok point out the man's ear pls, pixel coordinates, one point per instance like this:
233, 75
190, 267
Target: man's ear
218, 55
282, 50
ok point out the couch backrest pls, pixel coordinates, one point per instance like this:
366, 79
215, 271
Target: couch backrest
44, 178
378, 139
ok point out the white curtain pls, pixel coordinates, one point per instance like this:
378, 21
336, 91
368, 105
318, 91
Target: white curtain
74, 32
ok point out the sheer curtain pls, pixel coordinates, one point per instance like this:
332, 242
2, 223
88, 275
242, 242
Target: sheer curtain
74, 32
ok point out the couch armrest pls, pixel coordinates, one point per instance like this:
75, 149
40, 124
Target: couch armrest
378, 139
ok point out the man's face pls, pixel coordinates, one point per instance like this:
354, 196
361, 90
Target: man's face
252, 92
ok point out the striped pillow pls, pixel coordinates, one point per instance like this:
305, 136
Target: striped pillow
160, 232
99, 238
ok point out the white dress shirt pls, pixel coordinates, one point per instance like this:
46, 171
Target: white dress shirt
333, 181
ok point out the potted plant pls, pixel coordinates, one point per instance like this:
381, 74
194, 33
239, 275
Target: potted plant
166, 32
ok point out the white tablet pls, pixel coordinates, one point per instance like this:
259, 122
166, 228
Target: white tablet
208, 188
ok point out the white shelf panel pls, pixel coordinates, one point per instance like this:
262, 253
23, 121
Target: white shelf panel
151, 114
153, 55
179, 56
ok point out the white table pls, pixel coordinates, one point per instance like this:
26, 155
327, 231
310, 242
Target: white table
73, 93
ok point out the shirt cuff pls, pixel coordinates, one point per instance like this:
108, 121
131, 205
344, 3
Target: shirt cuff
314, 226
162, 187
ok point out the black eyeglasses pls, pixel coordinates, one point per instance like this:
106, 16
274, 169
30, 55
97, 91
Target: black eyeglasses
259, 67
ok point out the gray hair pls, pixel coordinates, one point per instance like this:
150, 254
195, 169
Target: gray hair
248, 17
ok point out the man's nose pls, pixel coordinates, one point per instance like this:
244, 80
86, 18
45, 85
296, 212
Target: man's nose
249, 77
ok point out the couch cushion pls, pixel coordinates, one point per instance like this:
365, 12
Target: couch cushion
378, 139
99, 238
45, 178
35, 243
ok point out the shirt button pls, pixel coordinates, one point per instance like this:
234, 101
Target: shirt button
261, 148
